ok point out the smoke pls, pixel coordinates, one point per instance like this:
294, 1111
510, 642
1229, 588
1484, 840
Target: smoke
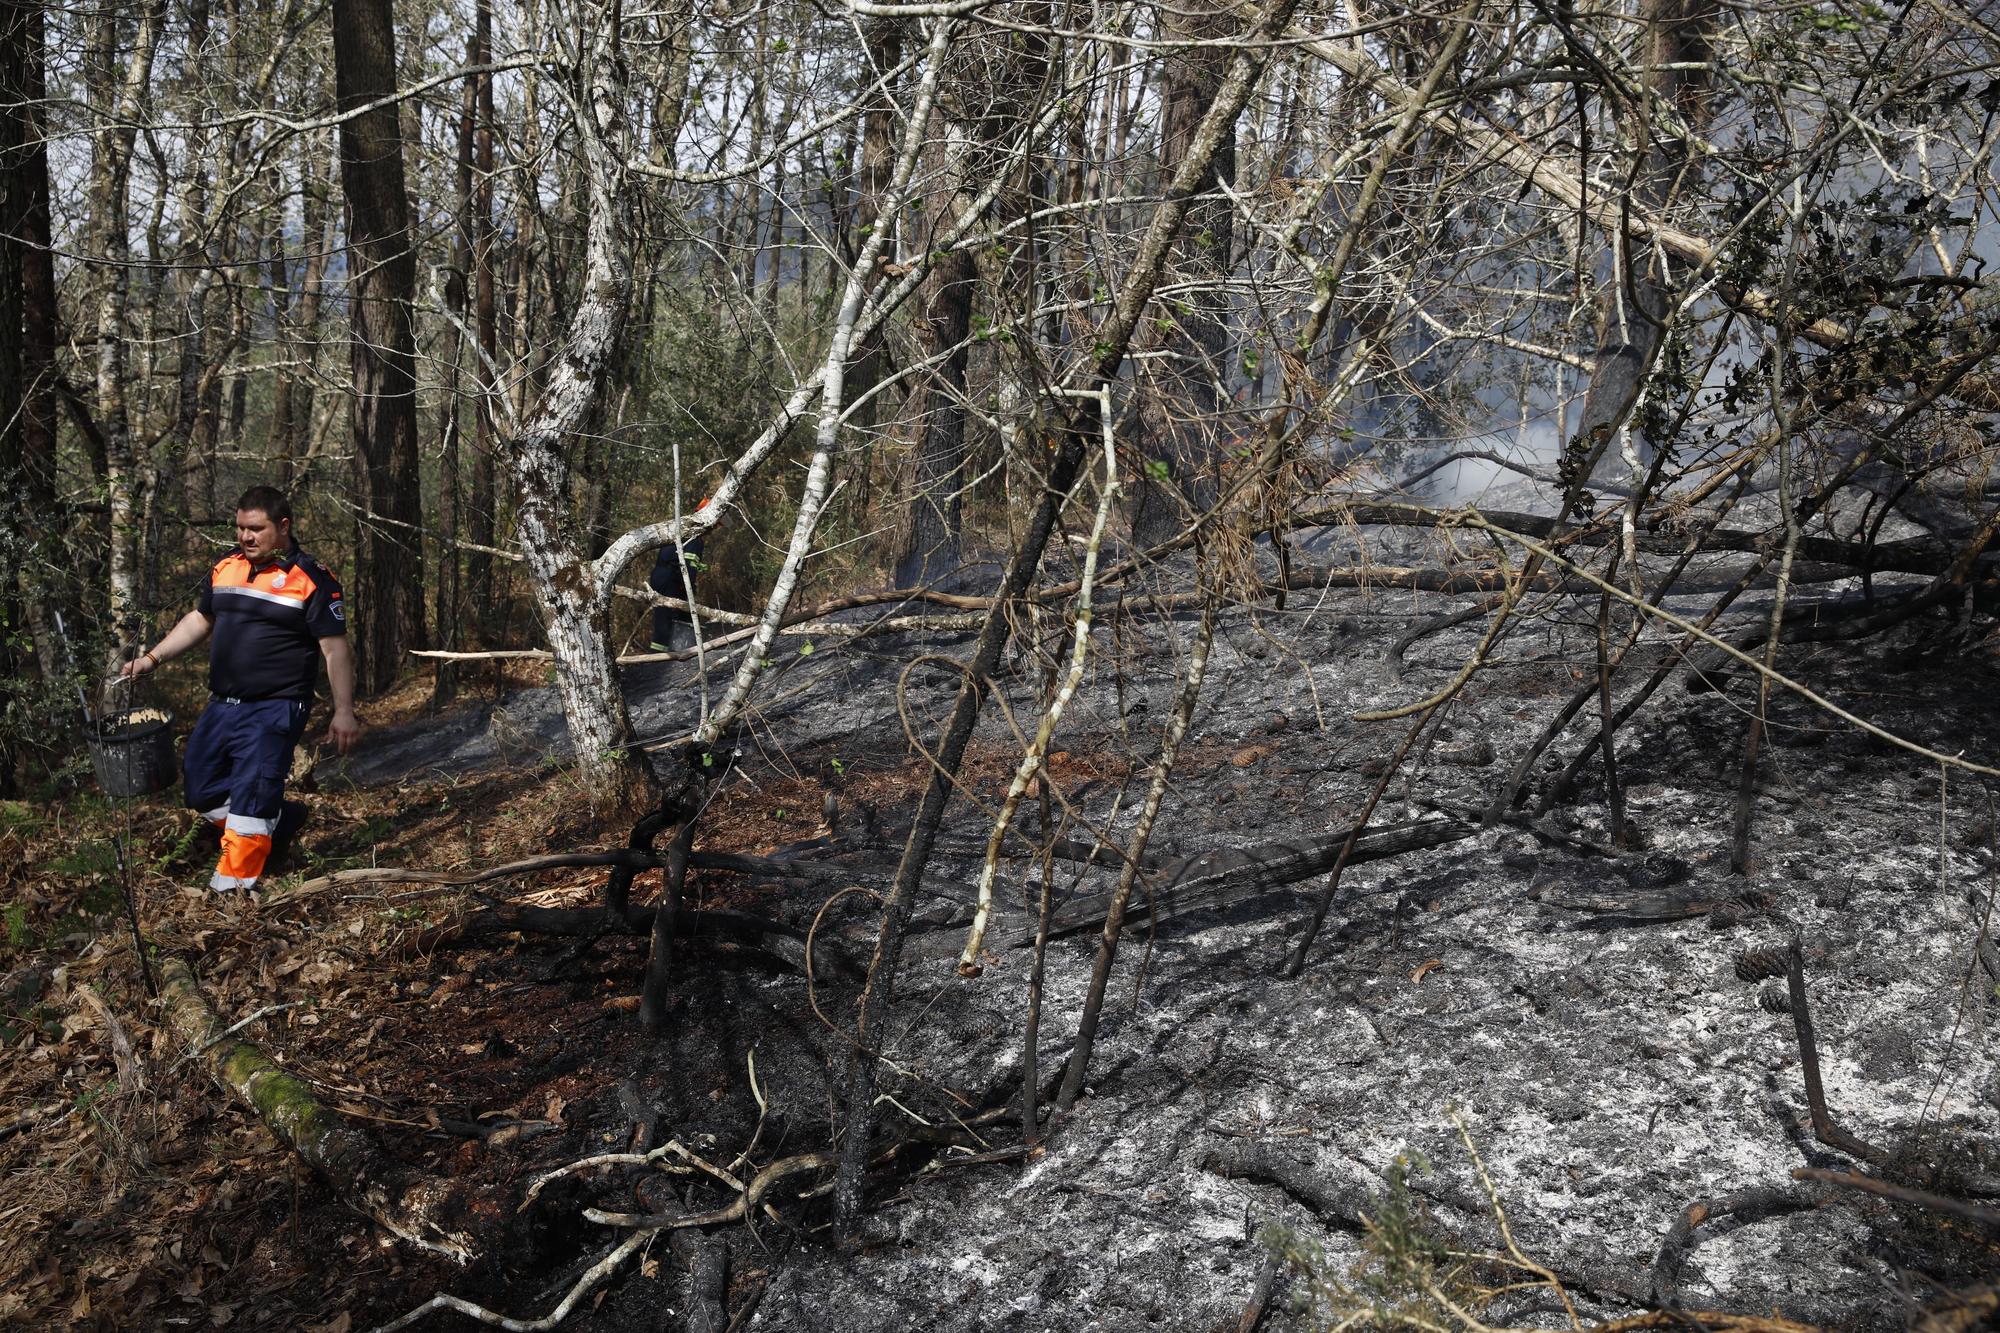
1502, 459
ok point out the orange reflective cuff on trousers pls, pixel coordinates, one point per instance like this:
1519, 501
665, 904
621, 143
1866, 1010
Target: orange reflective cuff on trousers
246, 846
235, 769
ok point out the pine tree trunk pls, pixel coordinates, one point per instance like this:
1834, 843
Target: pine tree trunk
297, 322
931, 548
382, 285
27, 452
27, 226
481, 521
1179, 402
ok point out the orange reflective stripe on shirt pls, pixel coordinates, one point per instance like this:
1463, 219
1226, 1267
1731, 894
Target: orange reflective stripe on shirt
279, 584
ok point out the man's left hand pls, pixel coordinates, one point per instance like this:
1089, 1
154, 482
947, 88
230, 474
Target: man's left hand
346, 729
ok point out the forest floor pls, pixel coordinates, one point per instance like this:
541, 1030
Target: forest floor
1566, 1008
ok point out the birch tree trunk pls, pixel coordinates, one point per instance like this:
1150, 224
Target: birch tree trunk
111, 179
574, 605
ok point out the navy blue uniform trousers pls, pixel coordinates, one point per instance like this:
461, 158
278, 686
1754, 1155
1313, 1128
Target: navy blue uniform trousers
234, 773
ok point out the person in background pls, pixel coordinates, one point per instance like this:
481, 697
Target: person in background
275, 613
673, 628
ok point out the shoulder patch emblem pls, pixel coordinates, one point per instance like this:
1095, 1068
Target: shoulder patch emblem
339, 610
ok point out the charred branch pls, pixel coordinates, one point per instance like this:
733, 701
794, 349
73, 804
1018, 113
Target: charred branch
1291, 1171
1887, 1189
772, 938
1745, 1207
1758, 964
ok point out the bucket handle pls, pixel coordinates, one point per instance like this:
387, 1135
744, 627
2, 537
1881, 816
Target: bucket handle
94, 722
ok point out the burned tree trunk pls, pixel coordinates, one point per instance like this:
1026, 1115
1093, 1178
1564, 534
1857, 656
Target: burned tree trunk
1635, 306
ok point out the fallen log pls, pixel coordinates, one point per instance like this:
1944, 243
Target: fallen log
626, 858
1292, 1171
449, 879
1223, 877
402, 1202
1915, 555
784, 943
1210, 878
1888, 1189
1825, 621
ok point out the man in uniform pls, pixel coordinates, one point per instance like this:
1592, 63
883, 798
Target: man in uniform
673, 628
275, 613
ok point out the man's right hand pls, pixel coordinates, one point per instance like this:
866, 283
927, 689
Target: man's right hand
345, 730
138, 666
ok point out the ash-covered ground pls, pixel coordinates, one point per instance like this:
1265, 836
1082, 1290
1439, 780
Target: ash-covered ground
1575, 1004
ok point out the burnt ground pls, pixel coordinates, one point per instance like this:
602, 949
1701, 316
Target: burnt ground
1575, 1005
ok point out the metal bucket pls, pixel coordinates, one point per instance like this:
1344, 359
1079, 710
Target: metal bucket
133, 751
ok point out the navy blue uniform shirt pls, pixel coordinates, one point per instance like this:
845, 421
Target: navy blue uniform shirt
267, 624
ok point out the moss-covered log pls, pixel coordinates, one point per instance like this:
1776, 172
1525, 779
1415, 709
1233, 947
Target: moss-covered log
343, 1155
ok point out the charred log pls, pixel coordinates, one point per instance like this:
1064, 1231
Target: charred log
1260, 1159
771, 938
1888, 1189
666, 916
1224, 877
